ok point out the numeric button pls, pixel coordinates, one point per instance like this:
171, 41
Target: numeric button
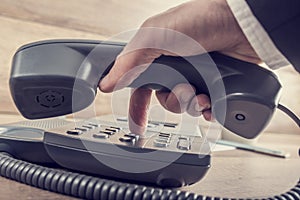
74, 132
101, 135
94, 125
127, 139
88, 126
163, 140
107, 132
184, 143
81, 129
158, 143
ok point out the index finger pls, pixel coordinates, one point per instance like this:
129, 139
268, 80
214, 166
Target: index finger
127, 67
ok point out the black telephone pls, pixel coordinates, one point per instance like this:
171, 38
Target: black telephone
53, 78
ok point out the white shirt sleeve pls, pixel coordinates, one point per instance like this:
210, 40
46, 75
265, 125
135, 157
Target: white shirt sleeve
257, 35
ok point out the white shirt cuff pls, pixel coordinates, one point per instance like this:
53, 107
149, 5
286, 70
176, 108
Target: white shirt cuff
257, 35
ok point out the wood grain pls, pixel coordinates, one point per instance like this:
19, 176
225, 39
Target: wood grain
105, 17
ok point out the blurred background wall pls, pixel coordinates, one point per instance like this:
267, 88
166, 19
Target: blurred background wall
24, 21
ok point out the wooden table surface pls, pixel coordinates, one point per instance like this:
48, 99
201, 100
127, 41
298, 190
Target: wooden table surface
233, 173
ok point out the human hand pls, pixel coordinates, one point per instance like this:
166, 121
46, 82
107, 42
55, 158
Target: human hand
209, 23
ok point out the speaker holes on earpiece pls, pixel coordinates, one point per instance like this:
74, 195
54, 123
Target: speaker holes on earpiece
50, 99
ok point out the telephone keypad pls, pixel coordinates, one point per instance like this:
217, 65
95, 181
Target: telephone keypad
163, 139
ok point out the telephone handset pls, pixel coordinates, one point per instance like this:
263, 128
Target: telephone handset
58, 77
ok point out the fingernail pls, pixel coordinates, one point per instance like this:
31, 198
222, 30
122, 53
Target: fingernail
199, 108
104, 83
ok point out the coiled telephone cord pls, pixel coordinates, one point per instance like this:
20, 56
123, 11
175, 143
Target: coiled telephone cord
88, 187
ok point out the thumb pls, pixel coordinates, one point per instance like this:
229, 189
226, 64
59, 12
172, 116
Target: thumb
147, 44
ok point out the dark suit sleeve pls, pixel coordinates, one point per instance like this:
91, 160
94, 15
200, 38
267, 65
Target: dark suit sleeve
281, 20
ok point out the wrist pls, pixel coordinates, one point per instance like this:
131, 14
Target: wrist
235, 42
